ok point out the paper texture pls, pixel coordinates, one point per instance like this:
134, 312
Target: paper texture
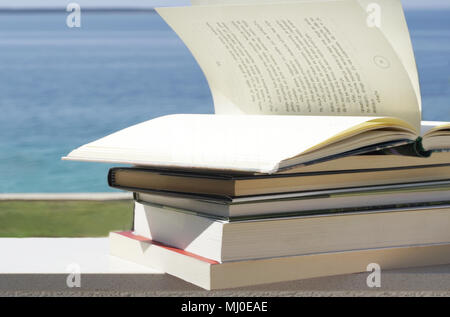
392, 24
250, 143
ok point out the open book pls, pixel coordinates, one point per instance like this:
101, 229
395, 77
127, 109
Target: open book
317, 81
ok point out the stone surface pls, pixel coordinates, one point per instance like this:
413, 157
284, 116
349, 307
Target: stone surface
40, 267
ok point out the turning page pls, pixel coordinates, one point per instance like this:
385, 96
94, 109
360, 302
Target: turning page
387, 15
309, 58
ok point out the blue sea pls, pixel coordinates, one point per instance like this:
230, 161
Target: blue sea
61, 87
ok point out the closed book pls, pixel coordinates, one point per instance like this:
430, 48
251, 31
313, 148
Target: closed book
224, 240
211, 275
235, 185
304, 203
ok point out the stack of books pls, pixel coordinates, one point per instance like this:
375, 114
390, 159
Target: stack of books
223, 230
316, 162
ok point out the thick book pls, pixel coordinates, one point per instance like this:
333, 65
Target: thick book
236, 185
314, 81
211, 275
225, 241
252, 143
325, 202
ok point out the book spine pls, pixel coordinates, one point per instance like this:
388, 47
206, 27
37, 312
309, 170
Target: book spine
112, 177
413, 149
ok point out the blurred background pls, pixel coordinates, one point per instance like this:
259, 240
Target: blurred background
62, 87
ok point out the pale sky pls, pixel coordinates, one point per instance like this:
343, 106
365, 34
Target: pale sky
408, 4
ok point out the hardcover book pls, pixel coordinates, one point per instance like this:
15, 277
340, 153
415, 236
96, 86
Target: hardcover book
235, 185
321, 202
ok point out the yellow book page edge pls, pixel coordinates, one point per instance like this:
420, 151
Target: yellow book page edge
373, 124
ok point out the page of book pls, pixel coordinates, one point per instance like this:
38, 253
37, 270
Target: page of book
315, 58
436, 136
250, 143
387, 15
428, 126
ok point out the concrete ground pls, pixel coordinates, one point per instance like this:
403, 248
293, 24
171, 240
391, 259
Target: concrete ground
41, 267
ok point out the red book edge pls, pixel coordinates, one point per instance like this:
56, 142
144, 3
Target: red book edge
130, 235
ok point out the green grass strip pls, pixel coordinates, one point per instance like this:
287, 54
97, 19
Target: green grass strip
64, 218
